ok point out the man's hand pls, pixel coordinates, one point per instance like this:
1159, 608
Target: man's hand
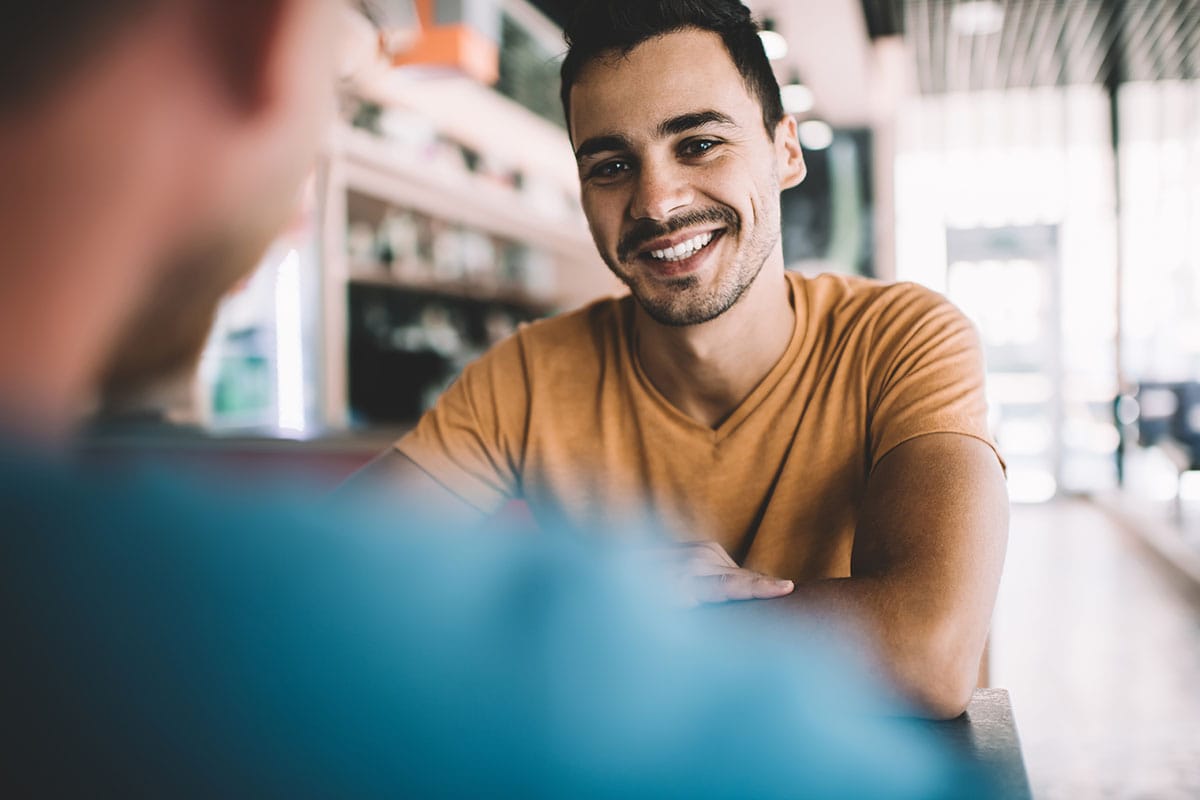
705, 573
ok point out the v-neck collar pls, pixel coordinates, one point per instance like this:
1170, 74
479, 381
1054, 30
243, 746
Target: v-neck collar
798, 296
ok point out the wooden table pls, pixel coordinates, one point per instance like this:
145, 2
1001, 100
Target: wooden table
987, 733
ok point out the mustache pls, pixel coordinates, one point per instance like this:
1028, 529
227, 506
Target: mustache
647, 230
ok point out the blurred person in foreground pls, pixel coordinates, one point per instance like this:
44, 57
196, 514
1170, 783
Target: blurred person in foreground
161, 641
822, 438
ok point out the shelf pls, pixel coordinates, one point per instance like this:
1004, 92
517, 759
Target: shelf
378, 168
457, 290
481, 118
543, 217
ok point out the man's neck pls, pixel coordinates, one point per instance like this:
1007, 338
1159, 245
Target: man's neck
707, 370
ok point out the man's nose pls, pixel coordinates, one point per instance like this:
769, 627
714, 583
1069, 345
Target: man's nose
660, 191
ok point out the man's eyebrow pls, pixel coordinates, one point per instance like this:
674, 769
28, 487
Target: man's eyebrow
600, 144
686, 122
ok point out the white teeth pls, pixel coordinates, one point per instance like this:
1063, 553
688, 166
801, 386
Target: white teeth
683, 249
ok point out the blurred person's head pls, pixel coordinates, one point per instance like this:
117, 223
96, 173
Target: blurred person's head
151, 150
682, 147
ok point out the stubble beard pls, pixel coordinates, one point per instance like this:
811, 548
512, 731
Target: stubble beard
683, 302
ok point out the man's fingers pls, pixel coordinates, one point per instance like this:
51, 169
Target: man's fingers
739, 584
706, 573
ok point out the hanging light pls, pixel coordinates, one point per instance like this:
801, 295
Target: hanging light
774, 45
815, 134
797, 98
977, 18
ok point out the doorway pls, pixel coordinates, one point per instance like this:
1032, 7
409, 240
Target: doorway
1006, 281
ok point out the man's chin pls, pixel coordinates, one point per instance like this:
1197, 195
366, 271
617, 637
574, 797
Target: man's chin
682, 312
674, 302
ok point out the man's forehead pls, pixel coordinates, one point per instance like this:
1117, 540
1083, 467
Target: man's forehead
677, 55
668, 76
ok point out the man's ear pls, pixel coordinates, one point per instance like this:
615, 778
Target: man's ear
244, 39
788, 154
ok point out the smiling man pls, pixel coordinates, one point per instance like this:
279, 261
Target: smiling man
818, 440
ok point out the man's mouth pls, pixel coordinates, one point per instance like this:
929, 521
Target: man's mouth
675, 249
684, 249
671, 240
675, 256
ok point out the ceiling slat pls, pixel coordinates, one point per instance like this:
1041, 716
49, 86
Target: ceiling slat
1026, 23
927, 37
1143, 46
987, 53
975, 47
996, 68
1074, 33
1095, 46
954, 55
1134, 32
1158, 36
1191, 43
938, 31
1047, 32
1100, 53
924, 45
1173, 40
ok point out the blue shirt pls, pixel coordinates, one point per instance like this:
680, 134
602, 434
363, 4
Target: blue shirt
159, 640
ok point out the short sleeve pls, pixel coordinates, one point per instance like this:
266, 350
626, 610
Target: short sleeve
472, 440
926, 373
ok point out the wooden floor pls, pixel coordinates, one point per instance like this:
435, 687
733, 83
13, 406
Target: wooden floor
1100, 650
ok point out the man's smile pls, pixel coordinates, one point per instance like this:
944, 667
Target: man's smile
680, 254
680, 246
644, 237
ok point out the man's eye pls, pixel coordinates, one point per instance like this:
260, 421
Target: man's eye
698, 147
610, 169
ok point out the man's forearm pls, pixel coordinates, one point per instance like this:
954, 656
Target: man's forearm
931, 656
928, 551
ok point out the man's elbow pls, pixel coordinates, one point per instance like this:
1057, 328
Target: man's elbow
944, 698
940, 680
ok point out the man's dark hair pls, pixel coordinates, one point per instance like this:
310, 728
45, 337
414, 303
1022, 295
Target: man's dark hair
602, 26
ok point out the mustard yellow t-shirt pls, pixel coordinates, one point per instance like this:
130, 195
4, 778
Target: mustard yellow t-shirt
561, 415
